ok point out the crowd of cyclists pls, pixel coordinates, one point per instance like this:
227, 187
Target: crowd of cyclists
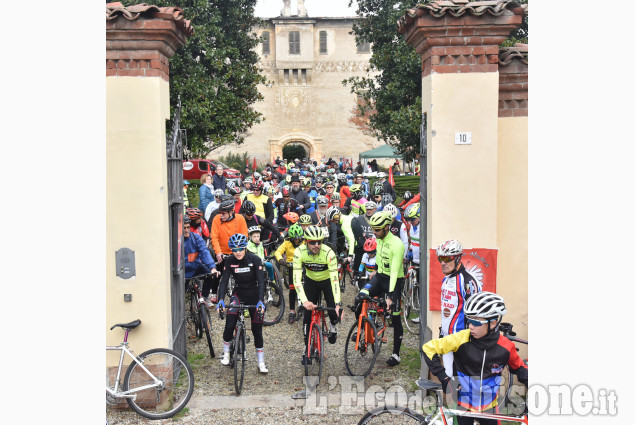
311, 214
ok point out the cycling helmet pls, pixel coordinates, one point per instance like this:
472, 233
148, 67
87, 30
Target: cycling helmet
314, 233
194, 213
381, 175
322, 200
341, 176
218, 193
306, 182
234, 190
257, 185
487, 305
226, 197
270, 190
256, 175
356, 188
370, 245
407, 196
287, 178
333, 214
378, 190
295, 231
335, 197
412, 212
349, 176
305, 219
391, 209
249, 180
450, 247
227, 206
370, 205
186, 183
238, 240
285, 191
380, 219
186, 220
319, 179
291, 217
253, 229
249, 207
329, 183
330, 171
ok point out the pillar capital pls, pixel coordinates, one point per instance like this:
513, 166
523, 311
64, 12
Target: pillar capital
459, 36
141, 39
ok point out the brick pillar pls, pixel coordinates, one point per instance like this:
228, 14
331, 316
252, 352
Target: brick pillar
513, 81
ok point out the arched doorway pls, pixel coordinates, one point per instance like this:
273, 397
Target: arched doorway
312, 145
294, 150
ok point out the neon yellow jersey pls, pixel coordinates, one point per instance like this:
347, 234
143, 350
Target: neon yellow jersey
389, 256
321, 266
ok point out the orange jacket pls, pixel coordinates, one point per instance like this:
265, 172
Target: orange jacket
223, 230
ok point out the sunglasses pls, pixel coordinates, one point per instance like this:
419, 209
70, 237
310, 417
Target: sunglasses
377, 196
314, 242
446, 258
237, 249
475, 322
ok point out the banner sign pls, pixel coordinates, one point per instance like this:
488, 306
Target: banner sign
479, 262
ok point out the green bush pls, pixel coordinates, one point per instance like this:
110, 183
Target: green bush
237, 161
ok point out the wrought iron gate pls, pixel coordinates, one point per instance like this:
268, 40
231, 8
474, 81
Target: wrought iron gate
174, 145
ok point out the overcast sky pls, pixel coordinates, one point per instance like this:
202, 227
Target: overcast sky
315, 8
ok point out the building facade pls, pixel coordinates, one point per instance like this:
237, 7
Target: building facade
305, 60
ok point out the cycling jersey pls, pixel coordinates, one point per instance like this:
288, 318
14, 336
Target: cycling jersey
319, 267
413, 234
259, 250
248, 275
223, 230
390, 251
356, 205
286, 248
478, 363
196, 254
368, 264
347, 231
456, 288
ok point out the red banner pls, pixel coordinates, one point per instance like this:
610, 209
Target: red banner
480, 262
391, 179
254, 163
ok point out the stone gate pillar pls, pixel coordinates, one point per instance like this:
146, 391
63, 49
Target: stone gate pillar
140, 40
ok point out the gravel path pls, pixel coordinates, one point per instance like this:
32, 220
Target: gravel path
267, 398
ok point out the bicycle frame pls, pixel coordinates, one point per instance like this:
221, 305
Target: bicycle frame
364, 313
445, 414
317, 317
123, 347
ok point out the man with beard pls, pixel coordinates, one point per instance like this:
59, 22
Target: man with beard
300, 196
318, 217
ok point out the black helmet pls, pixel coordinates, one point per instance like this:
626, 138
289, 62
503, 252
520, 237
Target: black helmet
186, 219
378, 190
249, 207
227, 206
407, 195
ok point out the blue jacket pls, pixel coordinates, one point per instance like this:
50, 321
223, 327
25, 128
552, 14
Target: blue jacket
219, 182
205, 196
196, 254
312, 197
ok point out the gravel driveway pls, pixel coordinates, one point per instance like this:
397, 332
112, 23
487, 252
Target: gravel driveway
267, 398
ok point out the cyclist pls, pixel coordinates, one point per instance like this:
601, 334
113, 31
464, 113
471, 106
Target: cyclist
284, 205
197, 225
389, 276
388, 189
368, 265
311, 192
407, 197
305, 221
320, 264
362, 231
246, 269
264, 206
354, 203
412, 216
340, 226
224, 225
288, 248
256, 247
457, 287
378, 195
480, 354
198, 259
234, 191
268, 229
300, 196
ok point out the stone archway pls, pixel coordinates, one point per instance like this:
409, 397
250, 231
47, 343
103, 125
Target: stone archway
313, 145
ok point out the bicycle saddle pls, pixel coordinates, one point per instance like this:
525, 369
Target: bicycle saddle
425, 384
128, 326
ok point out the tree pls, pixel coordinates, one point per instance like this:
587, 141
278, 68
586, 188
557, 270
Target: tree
215, 73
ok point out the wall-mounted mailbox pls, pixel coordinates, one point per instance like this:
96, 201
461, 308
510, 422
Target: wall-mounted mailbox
125, 263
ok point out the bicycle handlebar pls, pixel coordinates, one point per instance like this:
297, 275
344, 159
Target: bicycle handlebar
516, 339
200, 276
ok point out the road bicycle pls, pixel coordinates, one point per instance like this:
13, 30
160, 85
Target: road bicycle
318, 331
504, 402
198, 310
366, 336
344, 270
410, 301
157, 384
237, 350
274, 297
440, 416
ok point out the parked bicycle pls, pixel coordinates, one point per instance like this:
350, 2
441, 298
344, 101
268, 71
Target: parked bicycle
237, 351
441, 415
410, 301
199, 312
157, 384
366, 336
318, 332
506, 330
274, 297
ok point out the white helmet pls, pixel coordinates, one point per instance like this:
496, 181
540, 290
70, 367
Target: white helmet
370, 205
218, 193
392, 209
381, 175
487, 305
450, 247
322, 200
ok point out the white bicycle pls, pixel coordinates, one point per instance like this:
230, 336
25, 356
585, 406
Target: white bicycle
157, 384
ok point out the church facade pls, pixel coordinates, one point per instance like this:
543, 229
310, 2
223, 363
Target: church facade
305, 60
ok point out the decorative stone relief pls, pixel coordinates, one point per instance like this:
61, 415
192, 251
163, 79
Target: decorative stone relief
341, 66
295, 105
267, 66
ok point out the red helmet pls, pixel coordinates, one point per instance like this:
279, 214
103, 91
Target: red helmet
370, 245
258, 184
285, 191
292, 217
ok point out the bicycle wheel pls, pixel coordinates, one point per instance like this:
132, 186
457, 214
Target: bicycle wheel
171, 394
196, 319
343, 278
360, 361
315, 357
206, 324
274, 303
285, 275
394, 415
409, 314
240, 357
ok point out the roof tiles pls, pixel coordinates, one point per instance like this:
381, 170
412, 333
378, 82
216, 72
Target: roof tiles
518, 51
115, 10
